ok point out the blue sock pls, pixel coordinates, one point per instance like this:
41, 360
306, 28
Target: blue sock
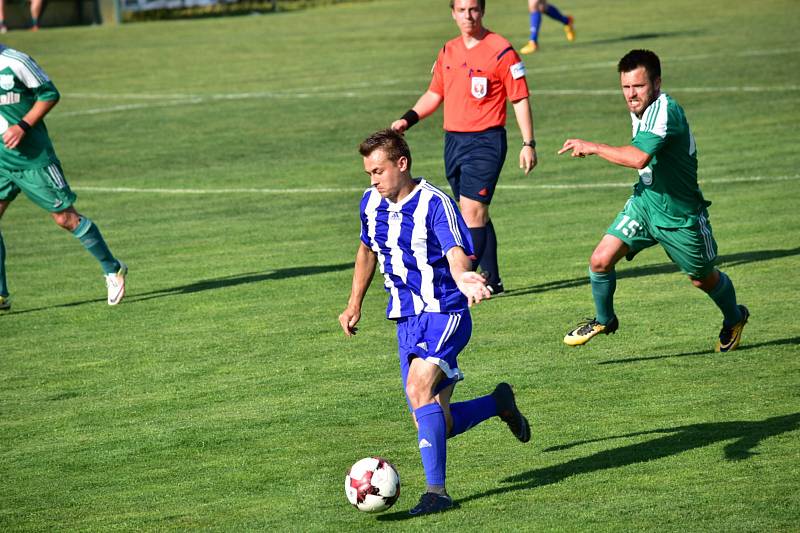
603, 287
724, 295
553, 12
536, 23
432, 442
467, 415
89, 235
3, 286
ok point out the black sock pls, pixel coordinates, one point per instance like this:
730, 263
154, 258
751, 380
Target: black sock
478, 243
489, 260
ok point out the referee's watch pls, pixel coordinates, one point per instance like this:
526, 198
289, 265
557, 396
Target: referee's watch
531, 143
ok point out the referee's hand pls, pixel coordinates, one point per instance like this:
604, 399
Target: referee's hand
527, 159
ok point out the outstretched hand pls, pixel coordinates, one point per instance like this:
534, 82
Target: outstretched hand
473, 286
579, 147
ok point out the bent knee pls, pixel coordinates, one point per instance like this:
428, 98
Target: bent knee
67, 219
601, 261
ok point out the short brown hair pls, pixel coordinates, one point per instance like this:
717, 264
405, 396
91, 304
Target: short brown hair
641, 58
392, 143
481, 2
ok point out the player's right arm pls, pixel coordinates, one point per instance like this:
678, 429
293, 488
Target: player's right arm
366, 261
626, 156
425, 106
470, 283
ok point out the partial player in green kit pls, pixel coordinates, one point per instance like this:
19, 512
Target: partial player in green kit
28, 164
667, 206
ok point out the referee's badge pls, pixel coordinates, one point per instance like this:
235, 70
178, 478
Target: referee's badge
518, 70
6, 82
479, 86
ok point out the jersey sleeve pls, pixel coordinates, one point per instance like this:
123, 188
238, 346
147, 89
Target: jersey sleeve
511, 70
437, 81
449, 227
654, 128
28, 71
47, 92
363, 216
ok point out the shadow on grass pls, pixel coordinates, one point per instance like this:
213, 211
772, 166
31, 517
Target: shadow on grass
210, 284
654, 270
745, 435
638, 37
776, 342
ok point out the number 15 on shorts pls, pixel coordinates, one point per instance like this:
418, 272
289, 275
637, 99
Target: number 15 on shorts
628, 226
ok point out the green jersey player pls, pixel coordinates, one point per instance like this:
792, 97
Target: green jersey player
666, 208
29, 164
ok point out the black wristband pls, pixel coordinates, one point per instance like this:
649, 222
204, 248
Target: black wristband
24, 125
411, 117
531, 143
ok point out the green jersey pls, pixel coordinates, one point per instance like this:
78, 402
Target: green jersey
22, 83
668, 185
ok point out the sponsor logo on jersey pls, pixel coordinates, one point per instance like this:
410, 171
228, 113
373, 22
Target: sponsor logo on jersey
394, 216
518, 70
9, 98
480, 86
6, 82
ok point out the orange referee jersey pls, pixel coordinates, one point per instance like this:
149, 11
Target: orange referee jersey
475, 82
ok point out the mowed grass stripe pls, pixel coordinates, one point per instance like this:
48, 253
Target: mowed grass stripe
336, 190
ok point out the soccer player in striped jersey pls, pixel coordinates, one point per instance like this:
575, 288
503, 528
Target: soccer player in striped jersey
415, 234
28, 164
536, 8
667, 206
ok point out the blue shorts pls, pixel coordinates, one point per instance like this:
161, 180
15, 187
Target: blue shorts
473, 161
437, 338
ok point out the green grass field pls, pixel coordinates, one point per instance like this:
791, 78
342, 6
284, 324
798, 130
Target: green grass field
222, 394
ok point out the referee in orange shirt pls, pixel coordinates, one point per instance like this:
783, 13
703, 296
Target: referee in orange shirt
473, 75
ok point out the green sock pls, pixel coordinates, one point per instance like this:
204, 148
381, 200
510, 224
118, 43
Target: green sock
603, 286
724, 295
3, 286
90, 237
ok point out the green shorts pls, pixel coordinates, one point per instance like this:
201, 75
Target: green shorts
693, 248
46, 187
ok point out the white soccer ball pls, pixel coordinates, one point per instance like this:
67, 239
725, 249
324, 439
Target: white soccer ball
372, 485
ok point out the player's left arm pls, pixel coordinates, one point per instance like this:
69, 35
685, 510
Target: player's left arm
626, 156
16, 132
469, 282
522, 111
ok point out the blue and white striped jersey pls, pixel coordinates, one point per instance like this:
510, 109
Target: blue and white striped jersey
411, 238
